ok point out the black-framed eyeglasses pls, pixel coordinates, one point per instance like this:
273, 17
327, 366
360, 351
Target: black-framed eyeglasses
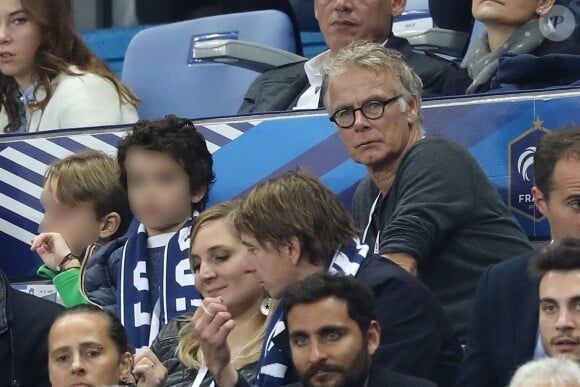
372, 109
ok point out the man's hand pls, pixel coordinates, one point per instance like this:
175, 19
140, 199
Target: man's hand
148, 370
212, 324
52, 248
405, 261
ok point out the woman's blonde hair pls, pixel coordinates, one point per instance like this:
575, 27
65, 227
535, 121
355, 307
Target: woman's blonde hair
188, 349
60, 48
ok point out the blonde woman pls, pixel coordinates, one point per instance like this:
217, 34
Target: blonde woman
217, 259
49, 79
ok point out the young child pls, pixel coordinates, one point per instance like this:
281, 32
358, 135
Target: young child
84, 206
167, 171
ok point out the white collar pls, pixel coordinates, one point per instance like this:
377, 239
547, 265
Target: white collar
159, 240
313, 66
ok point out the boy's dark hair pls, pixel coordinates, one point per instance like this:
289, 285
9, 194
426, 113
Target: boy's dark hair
358, 298
116, 330
178, 138
562, 255
553, 147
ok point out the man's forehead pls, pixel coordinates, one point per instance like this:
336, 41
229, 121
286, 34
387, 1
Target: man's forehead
560, 284
567, 174
359, 71
247, 238
319, 308
250, 240
346, 87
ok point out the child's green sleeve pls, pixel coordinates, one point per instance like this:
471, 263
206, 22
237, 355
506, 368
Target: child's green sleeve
67, 285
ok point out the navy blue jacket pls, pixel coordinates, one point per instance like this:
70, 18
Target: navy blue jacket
504, 325
99, 274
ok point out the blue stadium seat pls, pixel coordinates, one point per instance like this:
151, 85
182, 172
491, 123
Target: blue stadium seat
110, 44
160, 68
417, 5
313, 43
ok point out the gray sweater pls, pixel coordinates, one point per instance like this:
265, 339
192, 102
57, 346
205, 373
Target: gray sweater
443, 211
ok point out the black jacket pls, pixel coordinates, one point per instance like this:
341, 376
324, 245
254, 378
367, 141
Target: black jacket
178, 374
25, 321
416, 337
279, 89
380, 377
504, 325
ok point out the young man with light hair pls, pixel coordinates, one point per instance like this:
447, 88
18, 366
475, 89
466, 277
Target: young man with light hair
295, 226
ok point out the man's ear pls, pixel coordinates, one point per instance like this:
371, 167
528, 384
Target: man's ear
316, 9
540, 201
397, 7
373, 337
198, 196
413, 106
294, 250
109, 225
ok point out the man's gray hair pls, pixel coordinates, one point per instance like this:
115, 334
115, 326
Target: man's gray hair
556, 371
373, 56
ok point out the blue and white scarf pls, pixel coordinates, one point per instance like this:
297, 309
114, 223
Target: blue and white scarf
275, 358
176, 296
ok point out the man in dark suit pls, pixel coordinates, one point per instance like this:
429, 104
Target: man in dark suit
557, 268
333, 334
341, 22
24, 324
504, 323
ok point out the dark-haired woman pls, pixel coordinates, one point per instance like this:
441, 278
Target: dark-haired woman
49, 79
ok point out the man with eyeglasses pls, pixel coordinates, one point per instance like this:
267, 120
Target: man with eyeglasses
426, 204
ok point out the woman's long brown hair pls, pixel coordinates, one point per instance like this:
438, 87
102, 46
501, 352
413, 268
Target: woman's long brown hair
60, 48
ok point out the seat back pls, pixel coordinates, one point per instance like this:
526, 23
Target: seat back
160, 68
415, 17
304, 11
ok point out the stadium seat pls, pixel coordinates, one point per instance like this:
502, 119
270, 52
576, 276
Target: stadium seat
304, 11
110, 44
161, 68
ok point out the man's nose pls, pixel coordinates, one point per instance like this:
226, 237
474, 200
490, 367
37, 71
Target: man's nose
564, 321
316, 352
